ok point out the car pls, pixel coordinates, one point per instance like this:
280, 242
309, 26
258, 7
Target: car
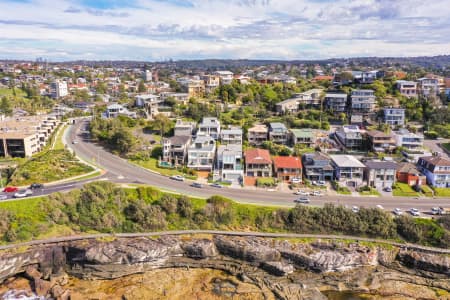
355, 209
35, 186
296, 180
397, 212
23, 193
436, 210
3, 197
301, 193
415, 212
74, 142
388, 189
216, 185
197, 185
314, 182
302, 200
379, 206
320, 183
10, 189
177, 177
316, 193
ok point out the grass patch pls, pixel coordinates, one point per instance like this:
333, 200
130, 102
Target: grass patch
446, 146
442, 192
343, 190
370, 192
152, 164
403, 190
427, 191
59, 145
9, 92
49, 166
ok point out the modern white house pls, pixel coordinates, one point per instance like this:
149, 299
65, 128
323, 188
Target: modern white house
114, 109
408, 140
380, 174
362, 102
210, 126
201, 153
230, 163
350, 136
394, 116
310, 97
336, 102
58, 89
428, 86
226, 77
278, 133
183, 128
231, 136
407, 88
348, 170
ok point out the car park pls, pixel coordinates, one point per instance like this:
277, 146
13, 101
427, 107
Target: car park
302, 200
397, 212
35, 186
177, 177
23, 193
10, 189
197, 185
415, 212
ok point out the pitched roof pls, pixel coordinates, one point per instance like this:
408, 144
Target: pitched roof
436, 161
407, 167
290, 162
257, 156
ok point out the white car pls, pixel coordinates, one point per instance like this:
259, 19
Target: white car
320, 183
177, 177
296, 180
3, 197
302, 200
23, 193
301, 193
355, 209
436, 210
397, 212
415, 212
379, 207
316, 193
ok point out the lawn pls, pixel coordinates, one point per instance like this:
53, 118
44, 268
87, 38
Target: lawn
49, 166
58, 145
372, 192
442, 192
152, 164
427, 191
403, 190
9, 92
446, 146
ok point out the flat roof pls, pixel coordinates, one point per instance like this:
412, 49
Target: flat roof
346, 161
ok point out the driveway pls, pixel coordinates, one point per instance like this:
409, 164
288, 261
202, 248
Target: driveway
435, 146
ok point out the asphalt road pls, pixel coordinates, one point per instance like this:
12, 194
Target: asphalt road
121, 171
435, 146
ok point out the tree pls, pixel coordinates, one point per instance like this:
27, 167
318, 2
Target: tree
5, 106
141, 87
161, 123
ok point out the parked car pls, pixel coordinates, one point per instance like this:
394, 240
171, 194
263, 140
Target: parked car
316, 193
437, 210
10, 189
74, 142
177, 177
355, 209
379, 206
301, 193
388, 189
397, 212
23, 193
302, 200
321, 183
3, 197
415, 212
35, 186
216, 185
296, 180
197, 185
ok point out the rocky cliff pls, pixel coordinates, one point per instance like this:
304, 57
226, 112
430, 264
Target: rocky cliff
280, 269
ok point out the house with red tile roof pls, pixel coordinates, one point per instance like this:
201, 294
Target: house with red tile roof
258, 163
287, 167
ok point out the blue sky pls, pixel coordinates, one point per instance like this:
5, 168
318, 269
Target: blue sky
156, 30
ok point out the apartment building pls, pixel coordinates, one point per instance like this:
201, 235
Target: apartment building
226, 77
394, 116
350, 136
362, 102
436, 169
428, 86
232, 135
257, 135
278, 133
258, 163
407, 88
348, 170
201, 153
336, 102
58, 89
380, 174
210, 126
230, 163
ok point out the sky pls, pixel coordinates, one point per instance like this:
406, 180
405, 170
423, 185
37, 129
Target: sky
158, 30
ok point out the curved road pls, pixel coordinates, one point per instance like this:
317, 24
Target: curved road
121, 171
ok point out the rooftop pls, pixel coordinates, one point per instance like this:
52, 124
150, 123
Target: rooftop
303, 132
378, 164
257, 156
346, 161
287, 162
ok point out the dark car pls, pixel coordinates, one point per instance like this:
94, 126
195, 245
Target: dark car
10, 189
197, 185
216, 185
35, 186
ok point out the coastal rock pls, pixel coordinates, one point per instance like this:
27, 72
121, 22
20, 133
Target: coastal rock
247, 249
425, 261
199, 249
277, 268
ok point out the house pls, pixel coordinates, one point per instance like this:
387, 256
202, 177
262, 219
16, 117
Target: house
141, 100
196, 88
113, 110
201, 153
232, 135
211, 82
182, 98
348, 170
230, 163
175, 149
257, 135
407, 88
287, 167
405, 139
379, 141
226, 77
278, 133
310, 98
183, 128
350, 136
380, 174
394, 116
258, 163
210, 126
409, 173
428, 86
304, 136
436, 169
317, 166
362, 102
336, 102
58, 89
288, 106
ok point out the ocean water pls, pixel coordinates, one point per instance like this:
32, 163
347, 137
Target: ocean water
21, 295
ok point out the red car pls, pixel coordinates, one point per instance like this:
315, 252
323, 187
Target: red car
10, 189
